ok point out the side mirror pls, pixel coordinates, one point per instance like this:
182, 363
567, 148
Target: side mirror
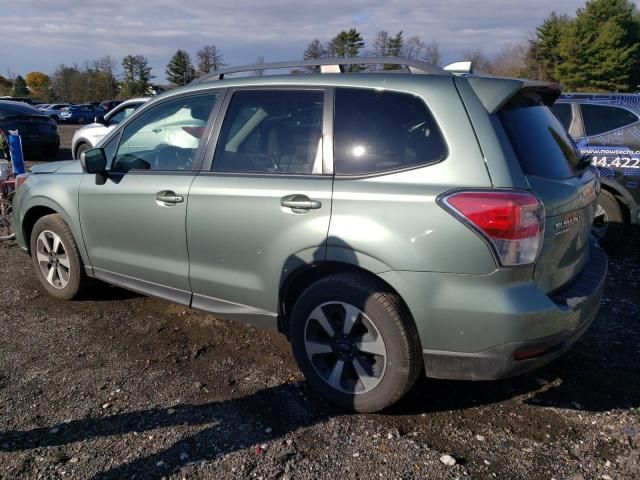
93, 161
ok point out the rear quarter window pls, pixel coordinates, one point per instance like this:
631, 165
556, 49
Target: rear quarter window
562, 111
377, 131
541, 143
599, 119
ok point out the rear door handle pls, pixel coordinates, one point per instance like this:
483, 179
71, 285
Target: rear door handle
167, 196
300, 202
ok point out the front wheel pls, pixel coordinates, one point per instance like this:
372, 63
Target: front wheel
6, 228
56, 259
355, 342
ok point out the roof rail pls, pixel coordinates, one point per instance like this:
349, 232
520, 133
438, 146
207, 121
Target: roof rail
331, 65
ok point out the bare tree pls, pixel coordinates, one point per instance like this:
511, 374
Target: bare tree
432, 53
413, 47
479, 61
210, 59
510, 61
258, 72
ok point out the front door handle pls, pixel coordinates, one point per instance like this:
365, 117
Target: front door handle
156, 130
300, 202
167, 196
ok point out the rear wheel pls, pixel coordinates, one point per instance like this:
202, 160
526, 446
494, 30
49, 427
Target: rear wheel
608, 224
56, 259
6, 228
355, 342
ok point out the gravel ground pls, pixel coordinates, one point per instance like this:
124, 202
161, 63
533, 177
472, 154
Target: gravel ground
117, 385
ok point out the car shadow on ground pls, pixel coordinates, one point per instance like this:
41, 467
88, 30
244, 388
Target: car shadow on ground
285, 410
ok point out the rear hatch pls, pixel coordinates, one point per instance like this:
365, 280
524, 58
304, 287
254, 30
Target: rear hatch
550, 160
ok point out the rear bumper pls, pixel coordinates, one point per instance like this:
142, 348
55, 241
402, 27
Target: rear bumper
486, 330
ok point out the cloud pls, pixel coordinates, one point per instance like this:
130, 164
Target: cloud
40, 35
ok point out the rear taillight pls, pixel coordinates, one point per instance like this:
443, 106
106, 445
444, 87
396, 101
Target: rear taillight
512, 222
20, 179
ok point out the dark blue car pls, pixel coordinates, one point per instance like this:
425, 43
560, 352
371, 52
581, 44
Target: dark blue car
606, 129
82, 114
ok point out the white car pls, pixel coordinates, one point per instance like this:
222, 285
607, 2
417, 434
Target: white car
88, 136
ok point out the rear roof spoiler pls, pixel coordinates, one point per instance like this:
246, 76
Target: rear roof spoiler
494, 92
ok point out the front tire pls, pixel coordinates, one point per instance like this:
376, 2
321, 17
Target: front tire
83, 147
608, 224
355, 342
56, 259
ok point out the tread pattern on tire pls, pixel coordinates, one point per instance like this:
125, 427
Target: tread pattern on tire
397, 313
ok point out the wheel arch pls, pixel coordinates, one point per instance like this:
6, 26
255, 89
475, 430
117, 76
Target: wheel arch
302, 278
625, 199
77, 144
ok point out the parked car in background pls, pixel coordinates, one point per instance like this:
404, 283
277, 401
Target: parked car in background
42, 106
17, 99
82, 114
388, 224
606, 128
108, 105
88, 136
53, 110
38, 132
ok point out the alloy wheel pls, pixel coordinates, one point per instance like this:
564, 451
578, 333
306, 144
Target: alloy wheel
53, 259
345, 347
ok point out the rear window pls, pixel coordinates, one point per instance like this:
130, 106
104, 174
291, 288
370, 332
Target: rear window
542, 144
599, 119
375, 131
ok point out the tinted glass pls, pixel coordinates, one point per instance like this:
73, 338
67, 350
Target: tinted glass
166, 137
376, 131
123, 114
276, 131
599, 119
542, 144
562, 111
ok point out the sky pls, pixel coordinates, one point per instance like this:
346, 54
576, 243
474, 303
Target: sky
42, 34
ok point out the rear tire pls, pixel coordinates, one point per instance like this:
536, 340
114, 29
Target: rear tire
608, 226
355, 342
56, 259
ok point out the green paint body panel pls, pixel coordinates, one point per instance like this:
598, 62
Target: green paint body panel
231, 245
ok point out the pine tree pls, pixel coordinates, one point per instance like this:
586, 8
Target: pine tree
20, 87
210, 59
395, 46
348, 44
601, 47
136, 76
544, 54
180, 70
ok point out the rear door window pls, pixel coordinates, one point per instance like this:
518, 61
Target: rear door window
376, 131
542, 144
272, 131
599, 119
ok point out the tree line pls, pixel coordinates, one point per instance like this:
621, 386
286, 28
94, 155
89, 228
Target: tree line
597, 49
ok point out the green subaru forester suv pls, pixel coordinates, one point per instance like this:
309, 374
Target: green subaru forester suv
389, 224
